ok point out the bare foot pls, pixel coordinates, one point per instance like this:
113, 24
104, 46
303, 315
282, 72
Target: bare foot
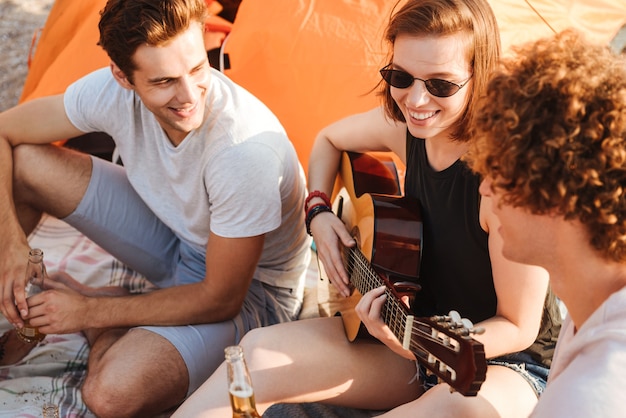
61, 279
12, 348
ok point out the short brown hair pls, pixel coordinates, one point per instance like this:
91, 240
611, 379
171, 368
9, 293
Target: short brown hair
127, 24
474, 18
551, 133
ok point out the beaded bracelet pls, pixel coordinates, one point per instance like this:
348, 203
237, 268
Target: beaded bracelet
314, 206
317, 193
312, 213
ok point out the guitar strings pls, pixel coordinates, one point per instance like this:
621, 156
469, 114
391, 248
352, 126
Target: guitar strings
419, 333
365, 278
394, 313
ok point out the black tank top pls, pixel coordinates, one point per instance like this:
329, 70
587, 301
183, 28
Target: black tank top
455, 272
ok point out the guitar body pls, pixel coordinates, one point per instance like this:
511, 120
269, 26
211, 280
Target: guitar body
386, 226
388, 231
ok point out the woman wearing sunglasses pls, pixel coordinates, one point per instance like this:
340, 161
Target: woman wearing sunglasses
442, 52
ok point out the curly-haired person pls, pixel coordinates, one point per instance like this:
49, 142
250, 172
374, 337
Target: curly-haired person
551, 145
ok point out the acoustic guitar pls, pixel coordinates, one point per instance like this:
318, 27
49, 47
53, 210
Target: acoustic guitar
388, 229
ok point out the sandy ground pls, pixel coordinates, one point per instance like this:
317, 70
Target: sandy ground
19, 20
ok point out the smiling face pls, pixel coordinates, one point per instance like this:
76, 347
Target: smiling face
172, 81
428, 57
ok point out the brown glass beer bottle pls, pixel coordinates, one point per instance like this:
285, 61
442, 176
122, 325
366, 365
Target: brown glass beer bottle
35, 274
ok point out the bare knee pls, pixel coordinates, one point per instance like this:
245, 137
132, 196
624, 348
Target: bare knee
140, 374
265, 338
254, 337
109, 395
27, 160
104, 397
49, 178
27, 202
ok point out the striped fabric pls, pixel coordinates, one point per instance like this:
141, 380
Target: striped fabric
54, 370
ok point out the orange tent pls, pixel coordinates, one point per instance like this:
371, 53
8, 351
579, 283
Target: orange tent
311, 62
314, 62
66, 49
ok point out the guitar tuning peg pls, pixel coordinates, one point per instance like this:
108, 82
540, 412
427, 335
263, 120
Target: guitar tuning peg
440, 318
467, 323
455, 316
477, 331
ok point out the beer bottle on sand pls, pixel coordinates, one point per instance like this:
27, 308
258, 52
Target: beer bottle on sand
239, 384
35, 274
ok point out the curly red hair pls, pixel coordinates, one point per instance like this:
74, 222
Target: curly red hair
551, 133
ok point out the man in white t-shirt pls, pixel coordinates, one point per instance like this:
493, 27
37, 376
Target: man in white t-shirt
208, 206
552, 150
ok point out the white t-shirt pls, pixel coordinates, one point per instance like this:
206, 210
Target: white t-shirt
588, 373
237, 175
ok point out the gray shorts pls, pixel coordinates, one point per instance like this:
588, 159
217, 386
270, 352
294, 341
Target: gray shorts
114, 217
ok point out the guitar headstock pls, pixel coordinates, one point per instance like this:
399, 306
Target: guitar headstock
443, 344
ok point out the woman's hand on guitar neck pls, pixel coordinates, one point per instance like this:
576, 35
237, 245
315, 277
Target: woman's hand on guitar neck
369, 310
330, 234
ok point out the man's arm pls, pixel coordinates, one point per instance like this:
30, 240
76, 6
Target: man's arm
39, 121
231, 263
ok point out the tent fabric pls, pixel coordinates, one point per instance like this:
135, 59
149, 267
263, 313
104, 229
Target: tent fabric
66, 49
311, 62
525, 20
314, 62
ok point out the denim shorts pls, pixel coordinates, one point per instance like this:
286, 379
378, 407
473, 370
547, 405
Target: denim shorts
535, 373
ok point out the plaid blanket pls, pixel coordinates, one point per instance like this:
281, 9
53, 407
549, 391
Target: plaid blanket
54, 370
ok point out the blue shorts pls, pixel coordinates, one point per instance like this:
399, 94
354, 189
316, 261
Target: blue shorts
113, 216
535, 373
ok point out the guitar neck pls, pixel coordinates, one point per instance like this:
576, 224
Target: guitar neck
440, 344
364, 278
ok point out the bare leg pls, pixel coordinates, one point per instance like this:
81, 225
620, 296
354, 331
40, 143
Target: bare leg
130, 373
503, 394
45, 178
309, 361
48, 179
134, 373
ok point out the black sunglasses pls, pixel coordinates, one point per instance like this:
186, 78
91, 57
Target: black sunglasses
435, 86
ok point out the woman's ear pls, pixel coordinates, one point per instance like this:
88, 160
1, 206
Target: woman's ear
120, 77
